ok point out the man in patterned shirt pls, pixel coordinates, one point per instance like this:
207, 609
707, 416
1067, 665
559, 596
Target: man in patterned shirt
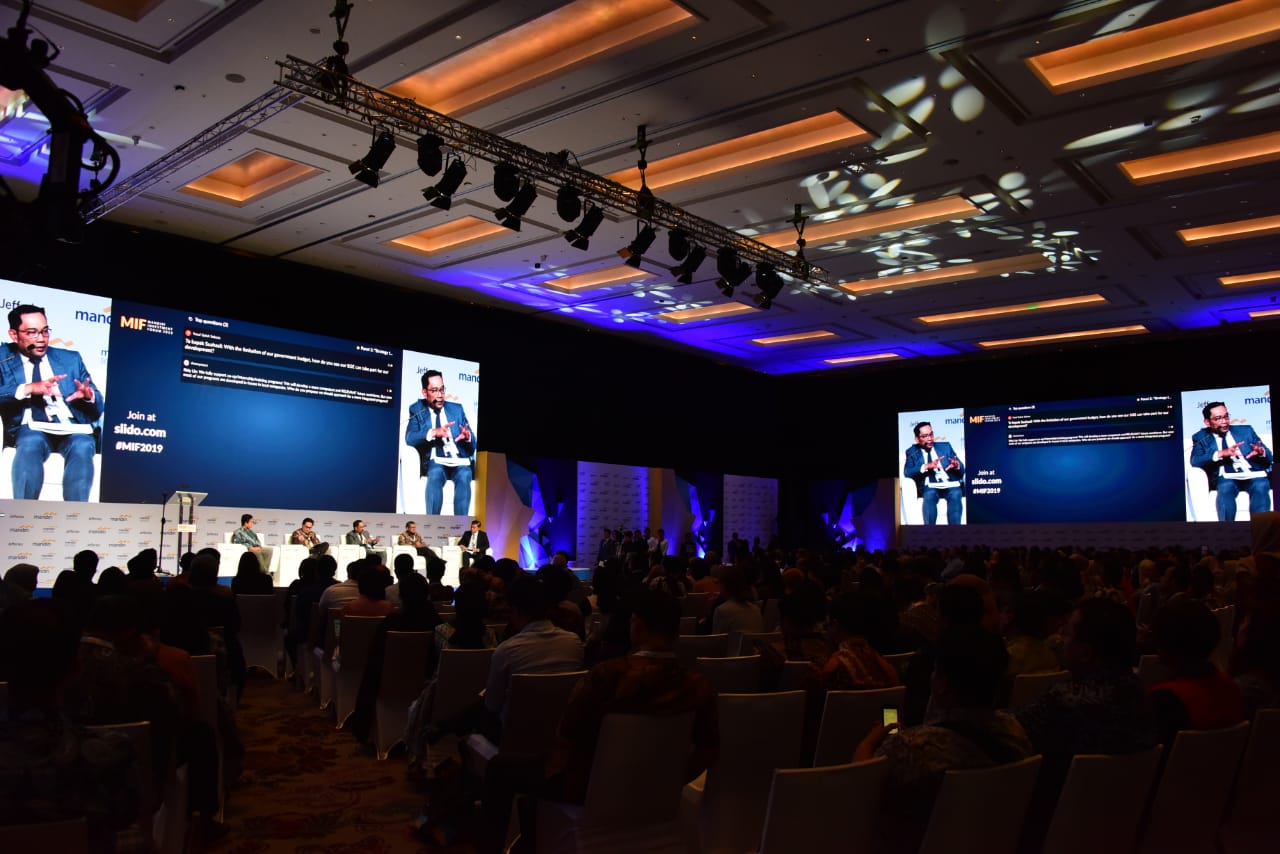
410, 537
307, 536
245, 536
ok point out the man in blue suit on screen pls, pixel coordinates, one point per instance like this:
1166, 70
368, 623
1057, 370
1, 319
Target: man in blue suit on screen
938, 473
1234, 459
440, 432
49, 403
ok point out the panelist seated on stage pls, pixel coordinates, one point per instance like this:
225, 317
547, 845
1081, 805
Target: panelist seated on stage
1234, 460
245, 536
306, 536
49, 404
938, 473
439, 430
358, 536
474, 543
410, 537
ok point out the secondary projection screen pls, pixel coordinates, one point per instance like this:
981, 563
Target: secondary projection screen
1202, 455
253, 415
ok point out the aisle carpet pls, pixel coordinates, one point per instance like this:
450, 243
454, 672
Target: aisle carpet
310, 789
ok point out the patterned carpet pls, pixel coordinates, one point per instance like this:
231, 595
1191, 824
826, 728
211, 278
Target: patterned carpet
309, 789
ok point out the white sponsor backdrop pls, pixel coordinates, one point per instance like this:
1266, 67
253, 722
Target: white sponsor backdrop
609, 496
49, 533
750, 507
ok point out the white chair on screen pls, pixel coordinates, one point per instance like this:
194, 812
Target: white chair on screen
53, 467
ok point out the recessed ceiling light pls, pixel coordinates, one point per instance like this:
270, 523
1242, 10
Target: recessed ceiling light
455, 234
1203, 159
795, 338
784, 142
1257, 315
724, 309
868, 357
1007, 310
1110, 332
1250, 280
1200, 35
1262, 226
546, 47
950, 273
876, 222
596, 279
249, 179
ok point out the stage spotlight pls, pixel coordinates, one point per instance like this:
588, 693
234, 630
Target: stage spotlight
506, 180
678, 244
769, 283
430, 157
509, 217
684, 272
366, 168
441, 195
569, 203
732, 270
580, 237
633, 253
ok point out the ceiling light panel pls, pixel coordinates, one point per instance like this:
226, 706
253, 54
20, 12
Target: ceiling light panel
866, 357
709, 312
795, 338
596, 279
546, 47
875, 222
1060, 337
1241, 229
1203, 160
950, 273
1250, 280
448, 236
1201, 35
1006, 311
250, 178
784, 142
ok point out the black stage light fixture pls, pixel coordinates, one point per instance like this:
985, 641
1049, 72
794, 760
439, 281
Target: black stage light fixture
633, 253
509, 217
732, 270
769, 283
684, 272
366, 168
430, 157
569, 203
441, 195
678, 244
506, 180
580, 237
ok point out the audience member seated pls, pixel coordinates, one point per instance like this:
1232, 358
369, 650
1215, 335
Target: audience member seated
1197, 695
802, 613
440, 592
337, 595
557, 581
735, 611
142, 579
249, 579
963, 731
1024, 636
1101, 709
402, 569
51, 769
19, 585
648, 681
371, 600
536, 646
1256, 662
854, 664
965, 600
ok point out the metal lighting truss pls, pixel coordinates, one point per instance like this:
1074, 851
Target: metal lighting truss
273, 101
383, 110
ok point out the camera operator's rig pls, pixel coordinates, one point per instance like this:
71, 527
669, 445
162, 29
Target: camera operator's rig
58, 211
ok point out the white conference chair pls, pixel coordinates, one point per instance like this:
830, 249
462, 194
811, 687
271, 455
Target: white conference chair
1101, 804
404, 667
1029, 687
260, 634
847, 717
832, 808
356, 639
981, 811
1251, 827
1192, 794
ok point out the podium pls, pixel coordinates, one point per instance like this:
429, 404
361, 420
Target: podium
186, 502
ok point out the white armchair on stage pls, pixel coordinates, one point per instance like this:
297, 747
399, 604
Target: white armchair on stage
230, 557
290, 557
419, 562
